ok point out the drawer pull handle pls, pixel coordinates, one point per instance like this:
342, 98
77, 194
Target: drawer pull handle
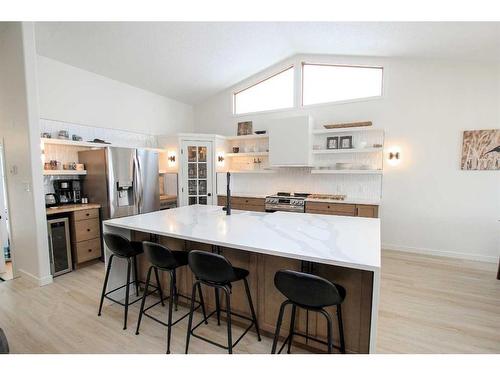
328, 206
90, 250
87, 214
88, 229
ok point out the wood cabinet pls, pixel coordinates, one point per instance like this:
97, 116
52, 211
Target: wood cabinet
243, 203
343, 209
85, 235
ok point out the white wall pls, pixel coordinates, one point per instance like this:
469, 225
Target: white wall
428, 203
20, 131
73, 95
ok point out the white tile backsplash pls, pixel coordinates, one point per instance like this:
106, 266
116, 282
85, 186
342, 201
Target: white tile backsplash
366, 187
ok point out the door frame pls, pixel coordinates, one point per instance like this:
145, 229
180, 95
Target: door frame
4, 193
183, 193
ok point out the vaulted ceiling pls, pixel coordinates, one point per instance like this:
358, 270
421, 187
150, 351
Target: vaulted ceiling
189, 61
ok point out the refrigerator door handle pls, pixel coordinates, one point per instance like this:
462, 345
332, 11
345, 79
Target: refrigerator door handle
138, 189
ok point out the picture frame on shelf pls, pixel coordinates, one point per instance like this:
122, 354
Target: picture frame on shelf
332, 143
345, 142
245, 128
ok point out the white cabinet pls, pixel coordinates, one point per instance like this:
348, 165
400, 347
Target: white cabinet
290, 142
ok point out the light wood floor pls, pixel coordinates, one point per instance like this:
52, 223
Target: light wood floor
428, 305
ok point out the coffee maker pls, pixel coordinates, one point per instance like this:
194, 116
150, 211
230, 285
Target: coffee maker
68, 191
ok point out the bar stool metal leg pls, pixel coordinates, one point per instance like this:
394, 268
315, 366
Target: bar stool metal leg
341, 329
329, 327
176, 292
292, 327
278, 326
105, 283
144, 299
254, 316
136, 279
217, 305
127, 290
202, 303
228, 315
191, 311
160, 291
170, 306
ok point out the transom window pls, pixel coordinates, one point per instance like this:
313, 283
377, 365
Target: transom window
334, 83
275, 92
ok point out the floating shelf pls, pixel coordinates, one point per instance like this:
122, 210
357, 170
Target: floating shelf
64, 173
247, 154
346, 130
257, 171
346, 171
67, 142
349, 150
245, 137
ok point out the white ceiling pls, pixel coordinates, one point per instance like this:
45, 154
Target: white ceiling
190, 61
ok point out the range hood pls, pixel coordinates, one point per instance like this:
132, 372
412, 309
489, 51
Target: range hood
290, 142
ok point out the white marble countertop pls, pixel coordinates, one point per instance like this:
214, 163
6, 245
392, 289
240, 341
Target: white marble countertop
351, 242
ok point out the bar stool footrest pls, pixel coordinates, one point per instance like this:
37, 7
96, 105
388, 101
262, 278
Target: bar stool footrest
144, 312
216, 343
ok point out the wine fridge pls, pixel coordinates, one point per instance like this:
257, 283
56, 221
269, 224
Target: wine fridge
59, 246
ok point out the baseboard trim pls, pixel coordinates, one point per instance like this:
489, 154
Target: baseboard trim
441, 253
37, 280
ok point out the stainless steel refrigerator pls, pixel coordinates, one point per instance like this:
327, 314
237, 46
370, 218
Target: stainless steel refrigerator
124, 181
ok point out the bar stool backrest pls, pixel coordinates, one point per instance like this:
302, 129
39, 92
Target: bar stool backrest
159, 255
118, 245
209, 267
306, 290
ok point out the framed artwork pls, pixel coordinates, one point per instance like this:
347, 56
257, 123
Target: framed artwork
245, 128
481, 150
346, 142
332, 143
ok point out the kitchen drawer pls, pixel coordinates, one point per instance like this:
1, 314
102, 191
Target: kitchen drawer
331, 208
365, 210
84, 230
93, 213
248, 201
87, 250
257, 203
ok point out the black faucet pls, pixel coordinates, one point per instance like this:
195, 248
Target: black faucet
228, 195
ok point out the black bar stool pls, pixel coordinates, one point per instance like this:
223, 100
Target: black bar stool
312, 293
121, 247
164, 259
215, 271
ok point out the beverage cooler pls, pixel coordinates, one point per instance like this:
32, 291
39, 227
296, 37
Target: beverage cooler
59, 246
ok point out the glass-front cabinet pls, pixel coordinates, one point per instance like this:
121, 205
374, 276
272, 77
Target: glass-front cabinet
197, 172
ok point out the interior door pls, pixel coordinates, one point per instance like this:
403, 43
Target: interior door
197, 167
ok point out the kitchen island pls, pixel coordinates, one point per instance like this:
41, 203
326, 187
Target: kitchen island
345, 250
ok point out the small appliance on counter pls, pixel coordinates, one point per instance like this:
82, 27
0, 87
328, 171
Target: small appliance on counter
68, 191
51, 200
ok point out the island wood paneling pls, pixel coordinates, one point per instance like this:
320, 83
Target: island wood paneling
267, 299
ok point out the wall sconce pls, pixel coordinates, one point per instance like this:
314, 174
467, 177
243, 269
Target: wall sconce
394, 157
171, 158
220, 158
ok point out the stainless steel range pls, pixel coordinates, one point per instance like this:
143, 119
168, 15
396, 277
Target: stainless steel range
291, 202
